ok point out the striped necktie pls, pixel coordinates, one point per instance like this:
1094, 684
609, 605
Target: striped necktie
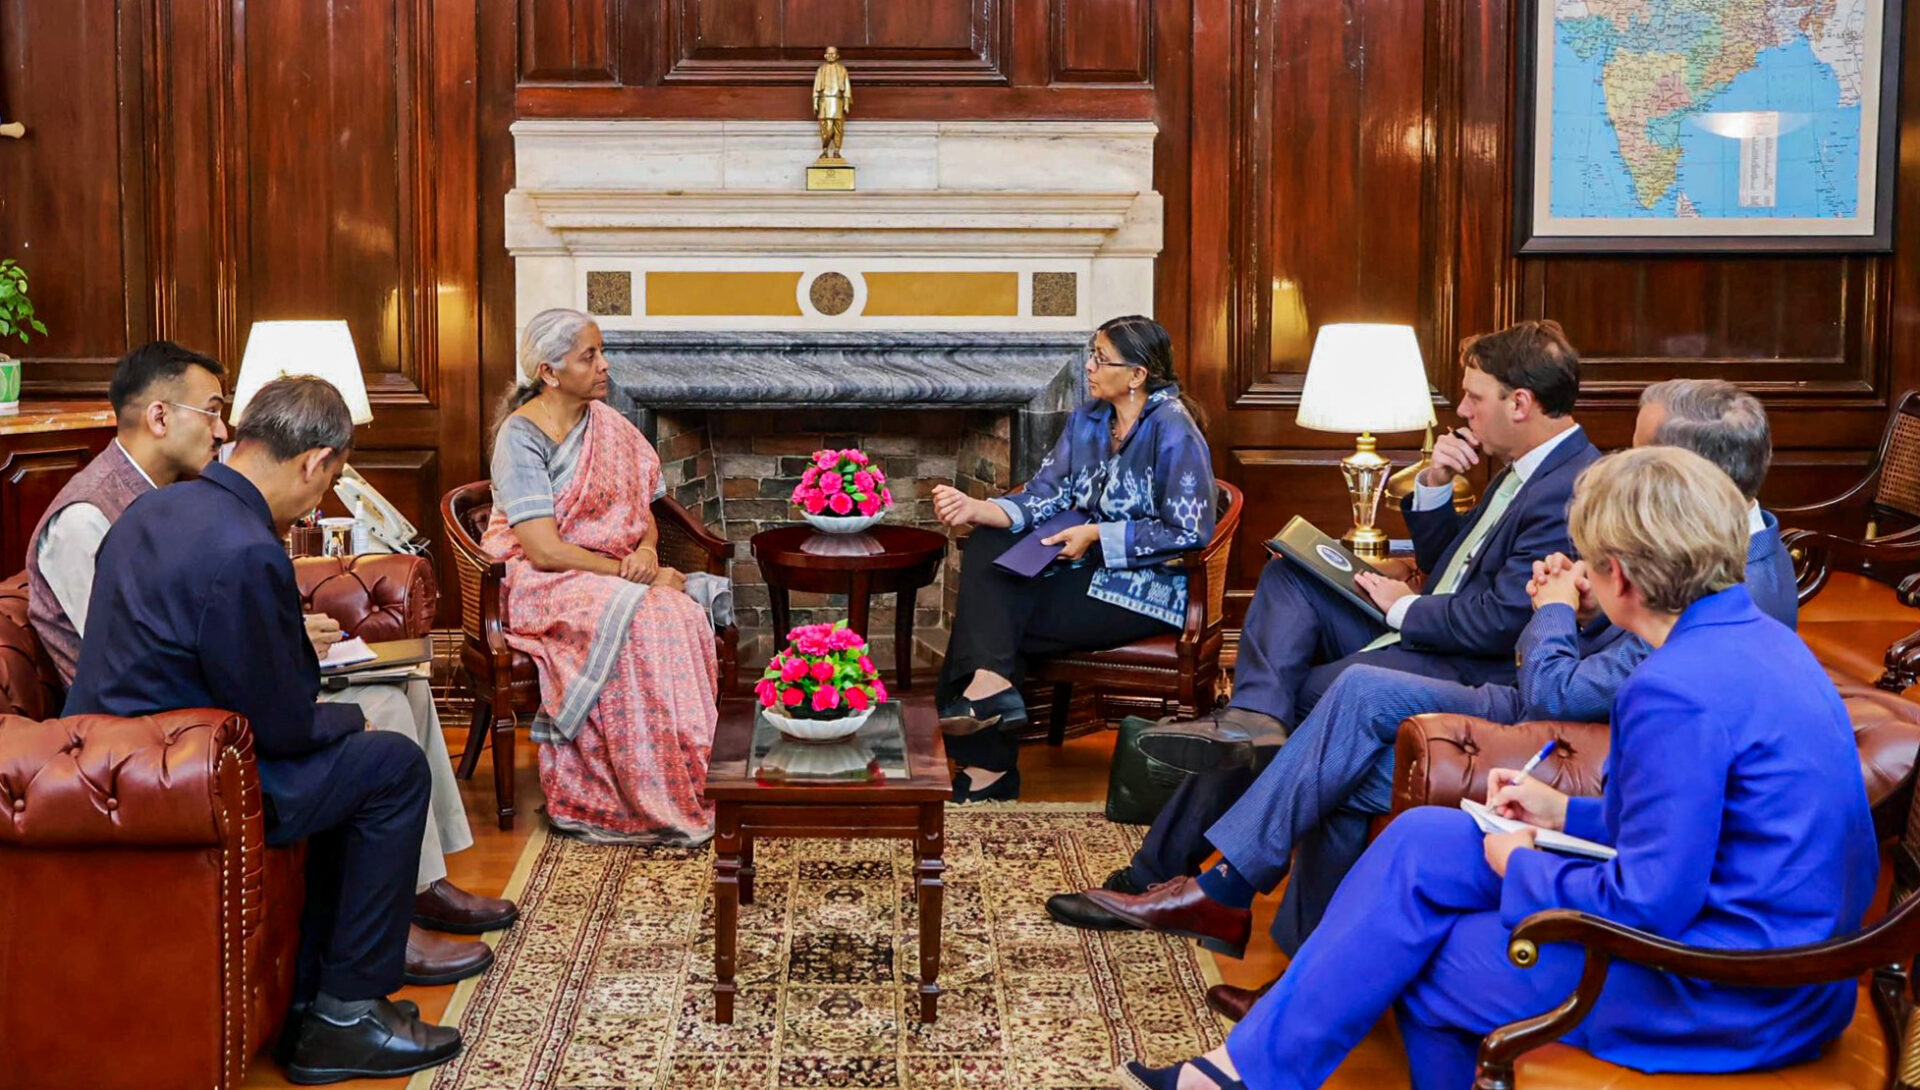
1462, 558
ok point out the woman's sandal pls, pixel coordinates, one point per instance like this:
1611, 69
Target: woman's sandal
1004, 789
1168, 1078
1003, 709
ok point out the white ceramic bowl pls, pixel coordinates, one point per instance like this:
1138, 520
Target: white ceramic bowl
818, 730
843, 524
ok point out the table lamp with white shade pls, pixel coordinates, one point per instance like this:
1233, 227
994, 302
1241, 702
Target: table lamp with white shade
321, 349
1365, 378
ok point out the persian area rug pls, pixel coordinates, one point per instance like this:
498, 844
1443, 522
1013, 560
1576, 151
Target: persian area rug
606, 983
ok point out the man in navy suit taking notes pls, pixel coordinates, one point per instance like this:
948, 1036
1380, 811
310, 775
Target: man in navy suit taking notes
194, 605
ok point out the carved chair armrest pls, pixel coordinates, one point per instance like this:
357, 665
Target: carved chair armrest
1893, 940
1815, 554
667, 509
1849, 506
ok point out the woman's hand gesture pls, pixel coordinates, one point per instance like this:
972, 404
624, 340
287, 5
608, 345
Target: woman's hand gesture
1074, 541
952, 506
670, 579
640, 565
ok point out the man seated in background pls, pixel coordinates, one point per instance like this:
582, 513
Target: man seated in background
1518, 388
1321, 792
194, 604
169, 407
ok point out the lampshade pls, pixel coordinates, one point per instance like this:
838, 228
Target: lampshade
1365, 378
321, 349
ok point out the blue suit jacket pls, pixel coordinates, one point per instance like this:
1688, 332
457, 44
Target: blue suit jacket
1568, 674
1733, 794
195, 606
1485, 615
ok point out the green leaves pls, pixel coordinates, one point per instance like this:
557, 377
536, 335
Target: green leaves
16, 310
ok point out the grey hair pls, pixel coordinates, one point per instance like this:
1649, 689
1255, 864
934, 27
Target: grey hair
548, 338
1718, 421
295, 414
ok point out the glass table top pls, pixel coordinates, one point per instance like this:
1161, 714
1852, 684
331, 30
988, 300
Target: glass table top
877, 753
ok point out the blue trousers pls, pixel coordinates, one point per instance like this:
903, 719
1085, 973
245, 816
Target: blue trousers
363, 829
1324, 787
1299, 638
1416, 927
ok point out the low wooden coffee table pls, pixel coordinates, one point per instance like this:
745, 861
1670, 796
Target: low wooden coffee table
751, 806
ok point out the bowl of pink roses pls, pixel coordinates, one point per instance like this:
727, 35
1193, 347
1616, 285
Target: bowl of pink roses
822, 686
843, 491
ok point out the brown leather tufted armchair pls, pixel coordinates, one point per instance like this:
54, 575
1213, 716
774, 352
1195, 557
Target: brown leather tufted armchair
138, 900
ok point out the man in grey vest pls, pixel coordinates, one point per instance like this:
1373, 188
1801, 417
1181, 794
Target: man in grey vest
170, 408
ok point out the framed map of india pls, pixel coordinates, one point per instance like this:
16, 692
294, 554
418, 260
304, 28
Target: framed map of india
1706, 125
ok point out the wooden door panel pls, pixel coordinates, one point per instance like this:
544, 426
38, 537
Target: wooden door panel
33, 469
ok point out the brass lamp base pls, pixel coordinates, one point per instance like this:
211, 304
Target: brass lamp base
1366, 474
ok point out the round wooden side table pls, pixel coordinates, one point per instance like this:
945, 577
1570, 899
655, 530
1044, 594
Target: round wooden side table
909, 558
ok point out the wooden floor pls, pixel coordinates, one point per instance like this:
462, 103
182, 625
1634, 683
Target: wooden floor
1077, 771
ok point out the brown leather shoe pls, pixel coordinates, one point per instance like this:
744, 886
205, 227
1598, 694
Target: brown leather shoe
433, 959
1231, 1002
1179, 907
444, 906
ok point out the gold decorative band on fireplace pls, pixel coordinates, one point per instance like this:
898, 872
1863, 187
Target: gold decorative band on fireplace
942, 294
723, 294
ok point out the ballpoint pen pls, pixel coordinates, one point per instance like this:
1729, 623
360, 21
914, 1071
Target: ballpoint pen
1527, 768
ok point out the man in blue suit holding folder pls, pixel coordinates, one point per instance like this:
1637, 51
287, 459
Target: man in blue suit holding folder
1518, 388
194, 605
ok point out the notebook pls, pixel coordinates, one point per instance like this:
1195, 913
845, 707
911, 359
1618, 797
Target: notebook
357, 655
1027, 556
1325, 559
1551, 839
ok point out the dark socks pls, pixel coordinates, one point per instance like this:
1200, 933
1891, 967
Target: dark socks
1224, 884
340, 1011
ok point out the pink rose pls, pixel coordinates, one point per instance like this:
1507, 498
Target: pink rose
825, 459
831, 483
793, 670
846, 639
879, 689
866, 664
857, 699
863, 480
840, 503
766, 692
812, 643
792, 698
857, 457
879, 477
822, 670
826, 698
815, 504
870, 506
811, 475
886, 496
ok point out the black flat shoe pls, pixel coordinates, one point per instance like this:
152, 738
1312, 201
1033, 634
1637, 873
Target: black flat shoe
1003, 709
382, 1043
1004, 789
1168, 1078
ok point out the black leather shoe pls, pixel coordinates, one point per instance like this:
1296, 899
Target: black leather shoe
380, 1044
1074, 910
1004, 709
1121, 881
290, 1031
1004, 789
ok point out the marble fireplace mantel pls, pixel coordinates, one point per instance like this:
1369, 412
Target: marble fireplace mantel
1037, 377
672, 224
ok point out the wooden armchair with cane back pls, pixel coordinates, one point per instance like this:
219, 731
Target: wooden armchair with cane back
1867, 535
1181, 668
504, 682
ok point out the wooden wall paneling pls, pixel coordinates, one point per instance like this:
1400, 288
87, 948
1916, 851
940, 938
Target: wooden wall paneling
567, 41
1101, 41
930, 24
72, 199
746, 42
817, 24
33, 469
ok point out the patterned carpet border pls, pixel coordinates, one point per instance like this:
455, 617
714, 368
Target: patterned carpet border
606, 982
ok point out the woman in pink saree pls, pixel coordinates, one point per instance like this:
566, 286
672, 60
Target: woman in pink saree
626, 659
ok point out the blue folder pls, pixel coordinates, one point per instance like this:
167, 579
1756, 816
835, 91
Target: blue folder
1028, 557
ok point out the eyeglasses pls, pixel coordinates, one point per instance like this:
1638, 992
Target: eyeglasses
212, 413
1095, 358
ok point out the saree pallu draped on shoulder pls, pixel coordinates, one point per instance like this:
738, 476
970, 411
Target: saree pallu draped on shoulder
627, 672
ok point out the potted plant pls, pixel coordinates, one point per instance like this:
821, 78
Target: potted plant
16, 318
843, 491
822, 686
